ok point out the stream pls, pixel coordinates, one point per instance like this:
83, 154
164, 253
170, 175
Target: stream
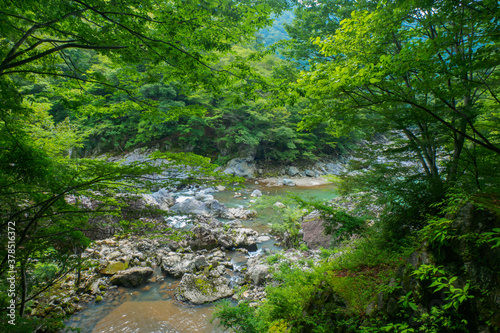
151, 307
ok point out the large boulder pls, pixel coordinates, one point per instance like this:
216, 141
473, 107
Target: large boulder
257, 274
335, 168
216, 208
239, 213
242, 167
293, 171
190, 205
313, 231
199, 289
246, 238
177, 264
310, 173
256, 193
205, 237
131, 277
114, 267
163, 198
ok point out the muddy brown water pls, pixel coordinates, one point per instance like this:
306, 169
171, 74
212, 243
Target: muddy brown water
157, 316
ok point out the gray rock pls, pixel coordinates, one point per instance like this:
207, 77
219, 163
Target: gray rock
204, 237
246, 238
335, 169
310, 173
163, 198
203, 197
209, 190
199, 289
370, 309
177, 265
256, 193
288, 182
132, 277
313, 232
190, 206
257, 274
216, 208
200, 262
242, 167
392, 306
293, 171
279, 204
95, 286
239, 213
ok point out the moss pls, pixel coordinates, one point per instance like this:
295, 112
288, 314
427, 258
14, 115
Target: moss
203, 285
98, 299
114, 267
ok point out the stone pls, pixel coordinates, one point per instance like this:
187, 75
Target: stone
200, 262
216, 208
178, 264
256, 193
334, 169
262, 239
203, 197
241, 167
114, 267
288, 182
132, 277
313, 232
246, 238
257, 274
199, 289
190, 205
163, 198
293, 171
370, 309
279, 204
239, 213
392, 306
310, 173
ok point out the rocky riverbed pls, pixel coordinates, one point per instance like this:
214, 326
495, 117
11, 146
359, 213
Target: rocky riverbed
206, 254
198, 244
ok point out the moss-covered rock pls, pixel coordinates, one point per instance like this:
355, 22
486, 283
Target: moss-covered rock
114, 267
199, 289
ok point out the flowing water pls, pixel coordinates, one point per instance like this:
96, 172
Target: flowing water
151, 308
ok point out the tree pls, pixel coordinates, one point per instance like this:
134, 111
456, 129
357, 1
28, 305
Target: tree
425, 69
186, 36
314, 19
60, 39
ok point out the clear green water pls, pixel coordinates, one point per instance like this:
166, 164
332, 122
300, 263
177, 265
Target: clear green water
261, 222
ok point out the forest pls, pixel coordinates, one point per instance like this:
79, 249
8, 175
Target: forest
408, 92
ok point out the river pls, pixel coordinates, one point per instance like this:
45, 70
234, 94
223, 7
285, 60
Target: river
151, 308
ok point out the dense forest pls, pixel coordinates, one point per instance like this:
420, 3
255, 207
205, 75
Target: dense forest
408, 91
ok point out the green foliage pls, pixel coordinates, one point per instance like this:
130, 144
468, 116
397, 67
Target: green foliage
44, 272
284, 218
337, 223
331, 296
493, 237
439, 318
240, 318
